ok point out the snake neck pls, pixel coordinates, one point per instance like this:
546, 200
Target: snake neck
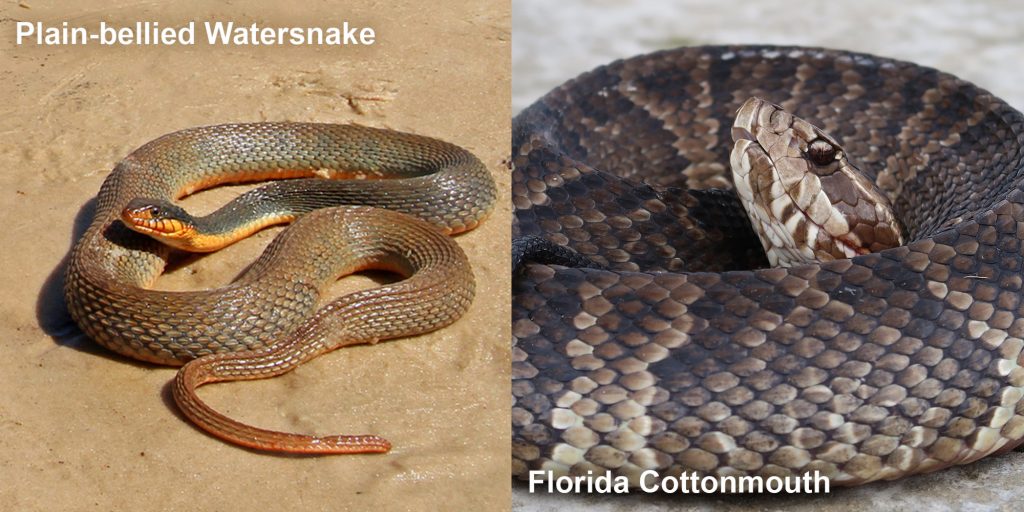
235, 221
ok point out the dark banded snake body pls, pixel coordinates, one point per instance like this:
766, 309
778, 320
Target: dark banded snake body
681, 351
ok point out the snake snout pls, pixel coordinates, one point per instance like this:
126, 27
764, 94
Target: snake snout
156, 217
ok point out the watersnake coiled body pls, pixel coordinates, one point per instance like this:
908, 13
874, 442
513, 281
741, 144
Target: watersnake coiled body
683, 353
269, 314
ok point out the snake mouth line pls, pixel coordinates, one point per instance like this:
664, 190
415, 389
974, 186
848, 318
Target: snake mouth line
143, 222
156, 227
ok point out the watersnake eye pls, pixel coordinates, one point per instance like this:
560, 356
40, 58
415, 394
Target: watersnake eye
821, 152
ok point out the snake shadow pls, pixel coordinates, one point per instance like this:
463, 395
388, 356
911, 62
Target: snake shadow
51, 308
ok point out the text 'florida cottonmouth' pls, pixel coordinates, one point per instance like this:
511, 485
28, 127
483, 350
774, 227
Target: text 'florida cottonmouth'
680, 351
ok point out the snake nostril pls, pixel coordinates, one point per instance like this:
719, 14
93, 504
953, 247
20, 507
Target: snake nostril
821, 152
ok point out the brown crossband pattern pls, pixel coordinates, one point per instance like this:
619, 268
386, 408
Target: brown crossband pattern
688, 353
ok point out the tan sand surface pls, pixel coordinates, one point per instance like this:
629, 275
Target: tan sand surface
82, 429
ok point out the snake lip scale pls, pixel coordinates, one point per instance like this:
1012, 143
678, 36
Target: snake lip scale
267, 321
685, 353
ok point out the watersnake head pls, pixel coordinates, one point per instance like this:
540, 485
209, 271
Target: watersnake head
161, 220
805, 200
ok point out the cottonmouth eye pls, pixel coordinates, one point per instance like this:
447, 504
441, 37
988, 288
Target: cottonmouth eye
821, 152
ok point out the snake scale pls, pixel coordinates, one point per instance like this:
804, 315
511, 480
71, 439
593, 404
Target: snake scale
266, 322
681, 352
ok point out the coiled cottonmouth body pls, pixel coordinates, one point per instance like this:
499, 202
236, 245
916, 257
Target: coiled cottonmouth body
266, 322
686, 354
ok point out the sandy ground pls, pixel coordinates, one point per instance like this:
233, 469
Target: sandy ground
81, 429
981, 41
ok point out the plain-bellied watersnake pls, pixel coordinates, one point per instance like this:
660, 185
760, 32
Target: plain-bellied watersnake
265, 323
